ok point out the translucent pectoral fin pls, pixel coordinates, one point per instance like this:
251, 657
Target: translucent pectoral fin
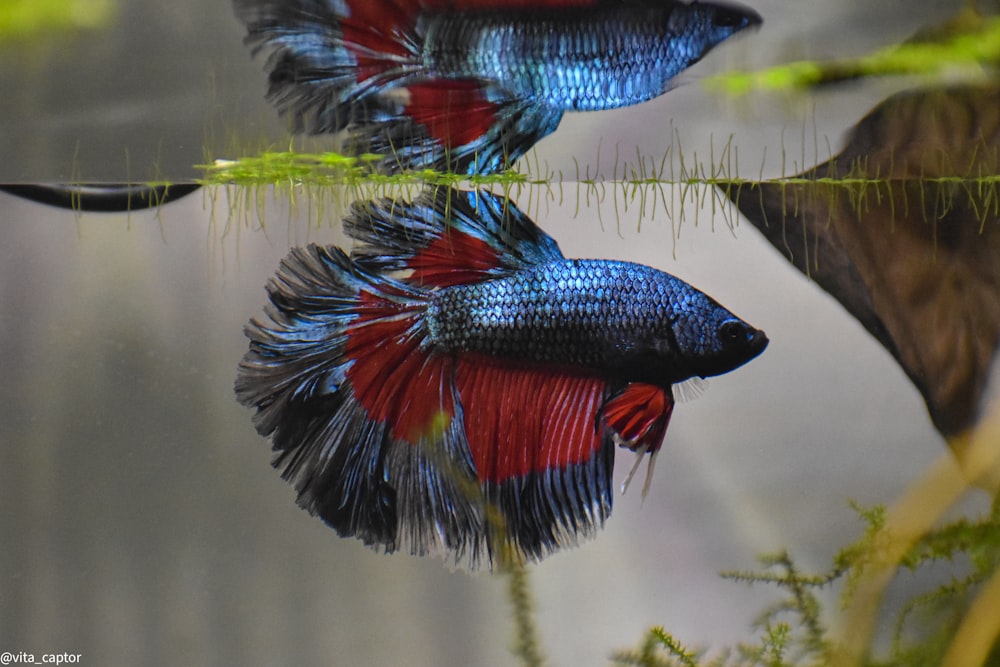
691, 389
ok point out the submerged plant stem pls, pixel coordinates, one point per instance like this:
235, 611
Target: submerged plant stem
978, 632
526, 645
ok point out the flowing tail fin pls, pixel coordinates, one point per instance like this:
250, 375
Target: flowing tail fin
327, 373
328, 60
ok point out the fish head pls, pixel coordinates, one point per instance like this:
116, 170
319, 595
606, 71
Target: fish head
707, 24
711, 340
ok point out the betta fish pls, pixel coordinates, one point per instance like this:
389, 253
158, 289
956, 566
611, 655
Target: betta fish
471, 85
456, 386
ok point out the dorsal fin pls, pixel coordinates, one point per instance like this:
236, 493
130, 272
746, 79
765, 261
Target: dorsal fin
447, 237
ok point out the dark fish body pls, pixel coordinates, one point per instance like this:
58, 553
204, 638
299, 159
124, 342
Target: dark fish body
471, 85
618, 319
457, 386
590, 58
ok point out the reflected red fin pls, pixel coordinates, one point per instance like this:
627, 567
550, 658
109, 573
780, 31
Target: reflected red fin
639, 415
378, 33
376, 10
382, 34
382, 16
464, 5
367, 21
521, 420
393, 379
454, 111
455, 258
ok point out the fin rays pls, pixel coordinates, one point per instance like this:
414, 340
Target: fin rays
402, 445
358, 66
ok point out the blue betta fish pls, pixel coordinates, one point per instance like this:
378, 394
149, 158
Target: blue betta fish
471, 85
457, 386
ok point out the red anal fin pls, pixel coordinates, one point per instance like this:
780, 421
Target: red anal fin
455, 112
393, 379
639, 415
521, 420
455, 258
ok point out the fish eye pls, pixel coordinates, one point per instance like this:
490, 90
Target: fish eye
727, 19
732, 334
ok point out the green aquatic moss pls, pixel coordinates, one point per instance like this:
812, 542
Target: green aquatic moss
970, 43
291, 167
794, 630
642, 179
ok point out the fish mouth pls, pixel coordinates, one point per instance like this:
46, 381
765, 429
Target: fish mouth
740, 353
757, 343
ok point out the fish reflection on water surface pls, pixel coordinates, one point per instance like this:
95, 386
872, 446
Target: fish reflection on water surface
456, 363
472, 85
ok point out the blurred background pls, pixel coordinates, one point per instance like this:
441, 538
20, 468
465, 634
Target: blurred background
140, 520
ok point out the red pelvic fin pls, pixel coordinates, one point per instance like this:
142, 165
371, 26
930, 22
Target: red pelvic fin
454, 111
397, 382
638, 415
522, 420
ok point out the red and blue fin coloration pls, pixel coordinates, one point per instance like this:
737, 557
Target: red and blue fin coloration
471, 85
360, 420
434, 129
448, 237
357, 64
406, 445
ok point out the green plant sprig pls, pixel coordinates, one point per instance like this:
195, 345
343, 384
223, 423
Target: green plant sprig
25, 19
971, 46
